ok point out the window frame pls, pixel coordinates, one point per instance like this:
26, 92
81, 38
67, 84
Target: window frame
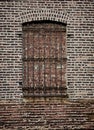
26, 90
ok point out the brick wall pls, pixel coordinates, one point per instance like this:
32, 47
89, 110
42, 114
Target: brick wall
17, 114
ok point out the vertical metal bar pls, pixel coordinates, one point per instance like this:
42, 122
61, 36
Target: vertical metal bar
50, 57
31, 64
26, 63
56, 62
24, 56
33, 61
61, 49
39, 57
28, 57
44, 87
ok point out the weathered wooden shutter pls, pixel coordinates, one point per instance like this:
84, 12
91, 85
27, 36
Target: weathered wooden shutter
44, 59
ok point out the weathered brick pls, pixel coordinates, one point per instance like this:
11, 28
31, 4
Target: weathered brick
47, 114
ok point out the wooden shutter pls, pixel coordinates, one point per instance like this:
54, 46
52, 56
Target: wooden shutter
44, 60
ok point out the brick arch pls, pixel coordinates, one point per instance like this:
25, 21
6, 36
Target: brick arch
43, 14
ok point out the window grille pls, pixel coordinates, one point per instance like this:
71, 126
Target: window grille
44, 59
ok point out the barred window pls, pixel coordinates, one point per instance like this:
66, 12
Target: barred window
44, 59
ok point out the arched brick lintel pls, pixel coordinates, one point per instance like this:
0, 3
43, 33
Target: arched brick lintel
43, 14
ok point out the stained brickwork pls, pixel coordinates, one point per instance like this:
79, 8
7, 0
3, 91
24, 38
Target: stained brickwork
44, 59
17, 114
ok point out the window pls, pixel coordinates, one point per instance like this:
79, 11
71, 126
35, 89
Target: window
44, 59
